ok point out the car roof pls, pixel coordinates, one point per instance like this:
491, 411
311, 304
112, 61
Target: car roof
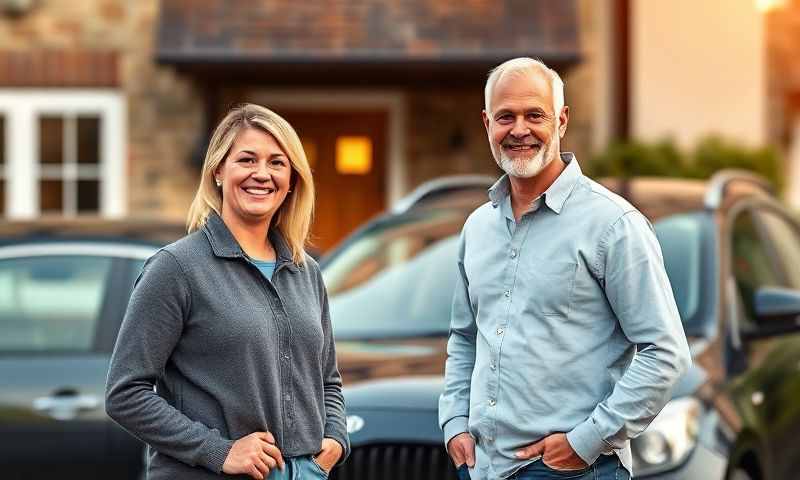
659, 197
446, 191
58, 229
656, 197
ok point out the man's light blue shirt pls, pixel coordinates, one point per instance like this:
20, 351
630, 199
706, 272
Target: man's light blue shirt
562, 322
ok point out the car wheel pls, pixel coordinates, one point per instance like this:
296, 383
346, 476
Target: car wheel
739, 474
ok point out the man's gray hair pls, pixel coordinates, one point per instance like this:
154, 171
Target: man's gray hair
522, 65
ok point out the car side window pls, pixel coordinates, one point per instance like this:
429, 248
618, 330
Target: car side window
51, 303
752, 265
785, 239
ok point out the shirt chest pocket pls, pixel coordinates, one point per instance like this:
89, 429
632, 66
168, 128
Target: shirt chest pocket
547, 287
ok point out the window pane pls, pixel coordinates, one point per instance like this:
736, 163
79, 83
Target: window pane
752, 266
88, 195
353, 155
89, 140
680, 237
51, 140
786, 240
51, 303
51, 195
410, 264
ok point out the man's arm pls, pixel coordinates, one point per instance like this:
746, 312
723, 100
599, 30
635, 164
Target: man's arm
454, 402
630, 267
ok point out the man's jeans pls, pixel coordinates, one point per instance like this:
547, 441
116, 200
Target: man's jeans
607, 467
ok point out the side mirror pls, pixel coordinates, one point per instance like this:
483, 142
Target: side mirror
777, 311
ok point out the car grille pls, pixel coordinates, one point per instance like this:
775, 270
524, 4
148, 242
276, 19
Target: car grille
392, 461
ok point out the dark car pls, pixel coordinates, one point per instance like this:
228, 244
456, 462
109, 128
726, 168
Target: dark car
732, 253
64, 287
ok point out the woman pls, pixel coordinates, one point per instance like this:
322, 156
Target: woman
230, 324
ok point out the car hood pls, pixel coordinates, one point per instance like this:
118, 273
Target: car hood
408, 393
409, 373
362, 360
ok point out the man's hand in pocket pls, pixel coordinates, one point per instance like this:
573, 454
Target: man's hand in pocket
556, 453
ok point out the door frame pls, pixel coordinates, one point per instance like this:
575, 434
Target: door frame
391, 101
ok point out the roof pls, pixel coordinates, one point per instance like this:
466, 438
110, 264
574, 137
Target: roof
292, 33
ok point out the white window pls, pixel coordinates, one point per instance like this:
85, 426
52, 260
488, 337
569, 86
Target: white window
63, 152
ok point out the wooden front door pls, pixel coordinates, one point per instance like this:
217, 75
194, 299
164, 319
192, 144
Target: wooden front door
347, 153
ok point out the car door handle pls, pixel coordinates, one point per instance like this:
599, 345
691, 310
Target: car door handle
65, 407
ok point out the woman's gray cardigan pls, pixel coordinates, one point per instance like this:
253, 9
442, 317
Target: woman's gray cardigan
229, 354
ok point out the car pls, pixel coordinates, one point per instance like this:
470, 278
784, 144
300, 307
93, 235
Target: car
64, 286
732, 253
448, 191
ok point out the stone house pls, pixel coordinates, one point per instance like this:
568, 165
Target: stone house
106, 105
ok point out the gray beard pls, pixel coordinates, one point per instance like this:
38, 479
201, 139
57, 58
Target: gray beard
526, 167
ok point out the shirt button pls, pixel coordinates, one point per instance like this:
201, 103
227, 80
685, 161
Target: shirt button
493, 366
500, 331
513, 254
492, 402
287, 397
507, 293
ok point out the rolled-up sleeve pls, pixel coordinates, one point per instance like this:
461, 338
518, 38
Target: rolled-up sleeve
630, 267
454, 401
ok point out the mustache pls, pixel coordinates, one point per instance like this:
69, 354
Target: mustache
512, 143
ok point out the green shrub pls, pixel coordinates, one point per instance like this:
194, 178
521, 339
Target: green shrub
664, 159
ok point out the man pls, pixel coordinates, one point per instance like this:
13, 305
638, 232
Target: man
565, 338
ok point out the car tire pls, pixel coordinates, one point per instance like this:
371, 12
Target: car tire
739, 474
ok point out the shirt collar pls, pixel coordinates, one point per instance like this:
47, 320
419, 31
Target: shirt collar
555, 196
224, 244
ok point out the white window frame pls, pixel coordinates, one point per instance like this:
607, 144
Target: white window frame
22, 107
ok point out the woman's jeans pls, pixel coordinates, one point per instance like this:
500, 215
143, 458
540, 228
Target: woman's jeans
299, 468
607, 467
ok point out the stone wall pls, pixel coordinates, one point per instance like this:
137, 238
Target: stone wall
445, 134
164, 109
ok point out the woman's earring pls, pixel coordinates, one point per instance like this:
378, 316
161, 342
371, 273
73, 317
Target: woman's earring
219, 182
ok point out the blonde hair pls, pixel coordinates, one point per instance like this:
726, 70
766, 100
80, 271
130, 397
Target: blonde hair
293, 218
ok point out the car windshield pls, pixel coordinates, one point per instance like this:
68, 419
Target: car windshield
396, 277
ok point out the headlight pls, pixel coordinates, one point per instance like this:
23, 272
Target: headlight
669, 439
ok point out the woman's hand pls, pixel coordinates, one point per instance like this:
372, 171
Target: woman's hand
255, 455
330, 454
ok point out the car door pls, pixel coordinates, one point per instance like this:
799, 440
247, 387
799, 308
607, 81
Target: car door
782, 406
59, 313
